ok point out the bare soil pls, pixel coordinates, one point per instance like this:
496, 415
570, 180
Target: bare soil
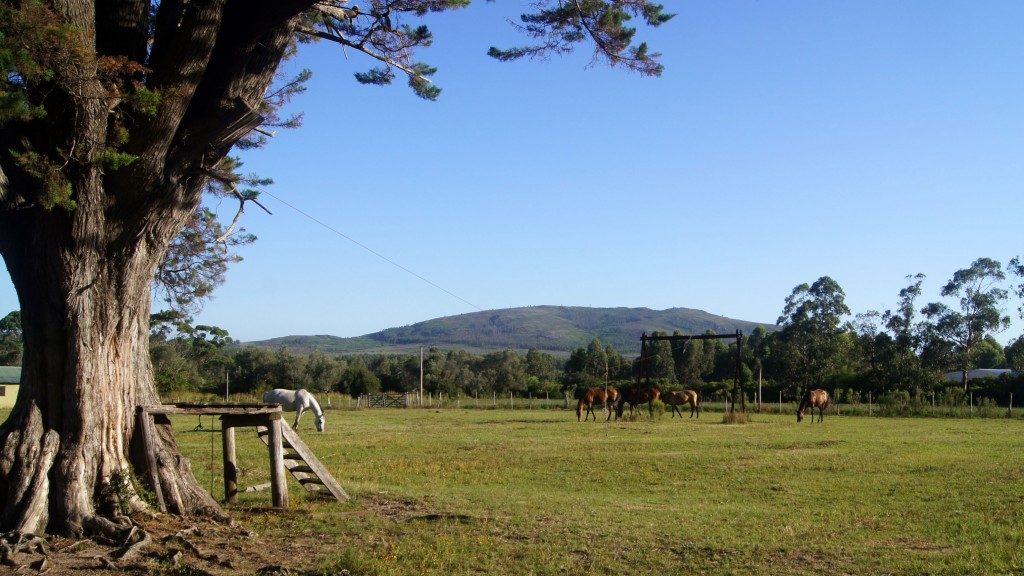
174, 546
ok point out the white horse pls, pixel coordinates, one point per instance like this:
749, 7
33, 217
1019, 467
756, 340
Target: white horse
298, 401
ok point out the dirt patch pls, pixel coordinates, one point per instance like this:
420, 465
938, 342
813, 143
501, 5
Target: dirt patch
397, 510
174, 546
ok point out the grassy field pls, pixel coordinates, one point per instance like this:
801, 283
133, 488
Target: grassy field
535, 492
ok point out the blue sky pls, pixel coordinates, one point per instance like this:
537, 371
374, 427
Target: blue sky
786, 140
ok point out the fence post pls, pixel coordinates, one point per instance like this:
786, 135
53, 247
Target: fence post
869, 403
972, 403
511, 401
780, 401
1009, 411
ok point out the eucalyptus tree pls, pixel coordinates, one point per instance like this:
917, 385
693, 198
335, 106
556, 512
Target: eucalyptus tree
760, 349
811, 342
618, 367
688, 361
906, 332
659, 363
115, 118
980, 297
596, 363
1016, 267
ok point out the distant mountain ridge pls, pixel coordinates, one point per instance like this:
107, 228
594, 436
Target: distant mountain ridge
554, 329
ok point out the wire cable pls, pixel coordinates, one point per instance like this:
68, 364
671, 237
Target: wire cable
375, 253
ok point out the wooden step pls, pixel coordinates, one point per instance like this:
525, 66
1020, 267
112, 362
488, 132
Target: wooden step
304, 465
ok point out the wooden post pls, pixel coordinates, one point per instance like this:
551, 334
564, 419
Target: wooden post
1009, 411
278, 483
145, 424
230, 463
760, 397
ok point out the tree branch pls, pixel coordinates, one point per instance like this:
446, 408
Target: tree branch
360, 46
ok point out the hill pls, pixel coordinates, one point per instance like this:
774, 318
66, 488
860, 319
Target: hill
555, 329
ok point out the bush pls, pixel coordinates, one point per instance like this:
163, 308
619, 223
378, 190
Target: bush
894, 403
735, 417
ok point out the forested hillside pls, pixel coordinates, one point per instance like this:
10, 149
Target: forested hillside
554, 329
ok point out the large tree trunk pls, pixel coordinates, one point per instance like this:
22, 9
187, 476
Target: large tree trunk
85, 307
83, 271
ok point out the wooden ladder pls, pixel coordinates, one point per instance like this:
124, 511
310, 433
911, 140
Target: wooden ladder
304, 465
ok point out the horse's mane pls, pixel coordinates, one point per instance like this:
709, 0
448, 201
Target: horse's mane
313, 401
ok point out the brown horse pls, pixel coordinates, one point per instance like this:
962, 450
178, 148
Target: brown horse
636, 396
816, 398
604, 397
677, 398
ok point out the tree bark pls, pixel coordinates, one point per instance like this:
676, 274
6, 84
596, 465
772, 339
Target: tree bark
71, 434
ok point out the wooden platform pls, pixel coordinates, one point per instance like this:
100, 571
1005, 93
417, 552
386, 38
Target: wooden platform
274, 431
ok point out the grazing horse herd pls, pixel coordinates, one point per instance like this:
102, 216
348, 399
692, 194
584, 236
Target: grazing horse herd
608, 397
613, 399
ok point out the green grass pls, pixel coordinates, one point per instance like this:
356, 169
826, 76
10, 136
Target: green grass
535, 492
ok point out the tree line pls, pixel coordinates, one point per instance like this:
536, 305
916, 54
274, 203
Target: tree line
904, 352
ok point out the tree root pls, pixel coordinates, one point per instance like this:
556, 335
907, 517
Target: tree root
14, 546
180, 538
126, 534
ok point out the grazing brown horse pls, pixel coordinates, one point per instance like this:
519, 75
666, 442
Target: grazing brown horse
816, 398
636, 396
596, 396
677, 398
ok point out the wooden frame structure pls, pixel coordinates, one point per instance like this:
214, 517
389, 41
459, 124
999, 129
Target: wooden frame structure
737, 383
274, 431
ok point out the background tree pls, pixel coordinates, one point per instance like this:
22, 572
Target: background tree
358, 380
760, 348
989, 354
323, 372
457, 374
906, 337
1014, 353
540, 365
618, 367
10, 339
596, 363
689, 362
810, 342
980, 297
659, 364
1016, 268
503, 371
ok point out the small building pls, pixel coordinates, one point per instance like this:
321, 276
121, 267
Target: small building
10, 381
977, 374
